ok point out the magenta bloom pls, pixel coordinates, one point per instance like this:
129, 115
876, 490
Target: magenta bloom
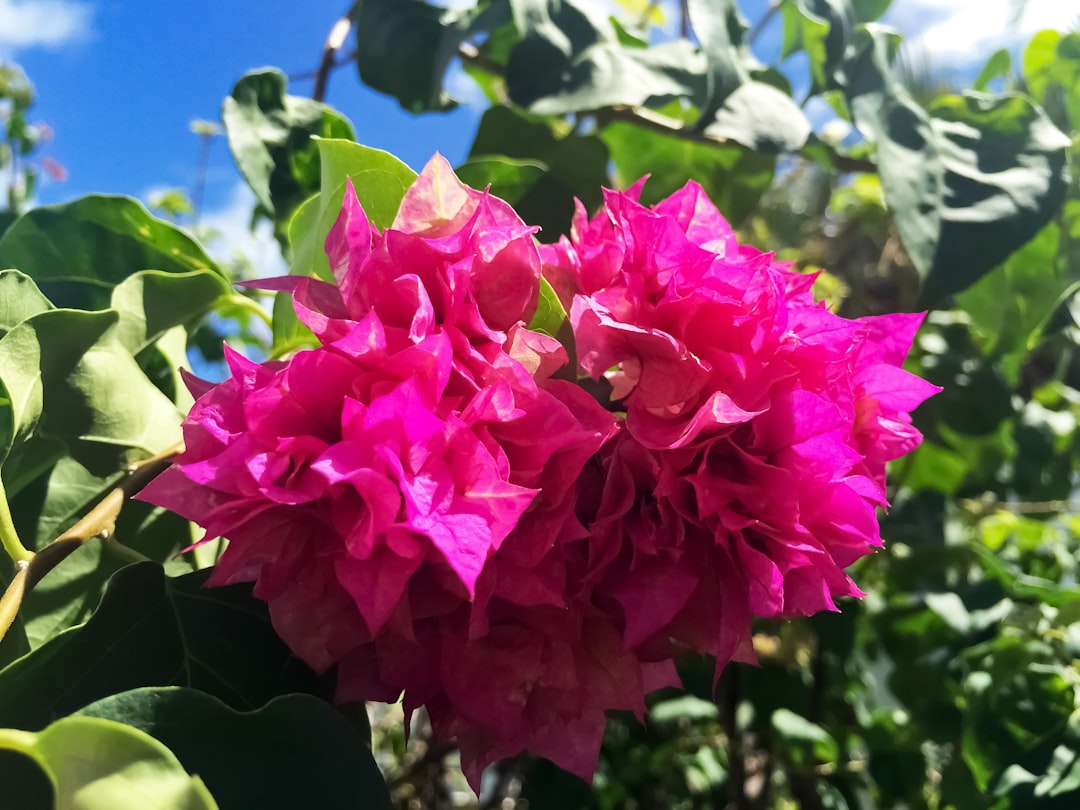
426, 508
758, 423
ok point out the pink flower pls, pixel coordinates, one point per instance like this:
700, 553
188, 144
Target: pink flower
758, 424
400, 495
426, 508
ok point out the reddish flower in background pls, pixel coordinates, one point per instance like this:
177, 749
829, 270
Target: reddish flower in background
424, 507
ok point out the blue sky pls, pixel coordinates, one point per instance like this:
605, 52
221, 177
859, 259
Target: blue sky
120, 81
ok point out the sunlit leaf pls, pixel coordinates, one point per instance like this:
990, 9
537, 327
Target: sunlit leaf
96, 764
271, 134
77, 252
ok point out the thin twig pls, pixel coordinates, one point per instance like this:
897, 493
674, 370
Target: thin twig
99, 522
333, 44
761, 24
13, 596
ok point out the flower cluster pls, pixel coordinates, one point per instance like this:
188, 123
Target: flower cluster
426, 507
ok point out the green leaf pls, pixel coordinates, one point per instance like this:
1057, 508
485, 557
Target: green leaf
550, 316
1051, 69
968, 183
20, 299
998, 65
1011, 305
380, 181
76, 252
733, 177
1063, 775
271, 133
545, 172
404, 47
825, 30
1024, 585
96, 764
719, 28
568, 60
686, 706
869, 10
935, 467
761, 118
151, 303
150, 630
803, 736
296, 751
70, 380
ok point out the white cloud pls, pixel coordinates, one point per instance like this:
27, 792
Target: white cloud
43, 23
964, 33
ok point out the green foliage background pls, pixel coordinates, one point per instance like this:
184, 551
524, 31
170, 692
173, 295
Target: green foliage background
953, 684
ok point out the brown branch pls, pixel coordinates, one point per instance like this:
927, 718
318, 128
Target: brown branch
656, 122
333, 44
99, 522
13, 596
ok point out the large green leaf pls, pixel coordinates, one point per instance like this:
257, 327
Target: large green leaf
825, 29
151, 303
545, 172
969, 182
1012, 304
719, 29
404, 47
762, 118
380, 181
1051, 67
296, 751
733, 177
150, 630
76, 252
569, 60
20, 298
97, 764
270, 135
69, 381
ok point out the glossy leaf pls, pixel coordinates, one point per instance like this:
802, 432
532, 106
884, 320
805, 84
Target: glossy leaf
270, 135
569, 59
733, 177
380, 181
76, 252
825, 29
999, 64
96, 764
1051, 69
545, 172
151, 303
761, 118
969, 182
219, 641
20, 299
1011, 305
71, 382
296, 751
714, 22
404, 47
